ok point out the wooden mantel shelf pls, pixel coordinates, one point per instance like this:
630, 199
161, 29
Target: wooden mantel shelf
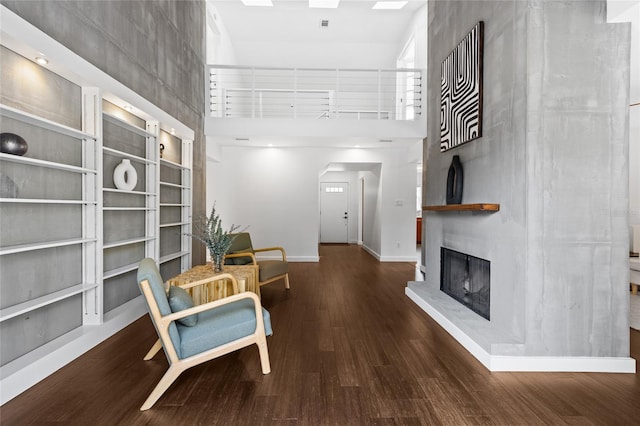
479, 207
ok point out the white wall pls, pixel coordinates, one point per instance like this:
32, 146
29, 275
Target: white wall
312, 55
629, 11
275, 192
218, 44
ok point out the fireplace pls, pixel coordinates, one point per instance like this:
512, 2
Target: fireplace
467, 279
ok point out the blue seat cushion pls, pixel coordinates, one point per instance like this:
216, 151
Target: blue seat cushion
221, 325
180, 300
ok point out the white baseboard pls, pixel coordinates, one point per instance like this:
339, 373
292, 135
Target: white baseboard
291, 258
24, 372
303, 258
399, 259
371, 252
526, 363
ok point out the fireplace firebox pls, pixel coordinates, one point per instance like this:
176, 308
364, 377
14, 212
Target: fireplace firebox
466, 278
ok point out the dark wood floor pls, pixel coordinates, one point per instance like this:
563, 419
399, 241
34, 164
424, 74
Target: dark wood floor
349, 348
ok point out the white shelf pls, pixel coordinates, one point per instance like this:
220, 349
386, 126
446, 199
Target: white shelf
44, 201
174, 185
39, 302
121, 270
28, 118
169, 225
126, 154
173, 256
122, 191
40, 246
126, 125
126, 242
44, 163
172, 164
128, 209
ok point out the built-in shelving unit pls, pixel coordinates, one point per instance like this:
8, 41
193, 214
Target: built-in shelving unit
16, 174
175, 204
478, 207
70, 240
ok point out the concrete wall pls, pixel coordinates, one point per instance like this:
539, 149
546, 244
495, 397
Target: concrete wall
155, 48
275, 191
554, 155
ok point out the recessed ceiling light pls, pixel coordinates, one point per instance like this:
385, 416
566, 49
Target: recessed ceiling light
257, 2
324, 4
389, 5
128, 108
270, 145
173, 131
42, 61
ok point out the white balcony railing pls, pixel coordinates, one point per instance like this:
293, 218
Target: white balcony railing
251, 92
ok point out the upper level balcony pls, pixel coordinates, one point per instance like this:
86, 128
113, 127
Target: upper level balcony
383, 104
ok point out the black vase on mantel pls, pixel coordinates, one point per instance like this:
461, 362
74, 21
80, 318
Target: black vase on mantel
11, 143
455, 178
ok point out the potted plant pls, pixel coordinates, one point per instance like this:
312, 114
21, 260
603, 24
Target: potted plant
218, 241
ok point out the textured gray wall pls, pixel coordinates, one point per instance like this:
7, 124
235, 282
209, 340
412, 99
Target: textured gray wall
554, 155
154, 47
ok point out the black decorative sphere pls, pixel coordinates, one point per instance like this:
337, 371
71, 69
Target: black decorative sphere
13, 144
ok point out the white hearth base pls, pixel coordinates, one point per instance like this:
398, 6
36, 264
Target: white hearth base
496, 350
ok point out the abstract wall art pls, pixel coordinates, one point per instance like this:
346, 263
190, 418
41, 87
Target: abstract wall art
461, 91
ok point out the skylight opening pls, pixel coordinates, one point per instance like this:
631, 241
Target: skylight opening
257, 3
324, 4
389, 5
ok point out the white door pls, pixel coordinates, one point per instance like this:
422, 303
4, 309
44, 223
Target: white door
334, 212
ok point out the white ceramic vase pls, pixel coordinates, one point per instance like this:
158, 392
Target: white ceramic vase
125, 176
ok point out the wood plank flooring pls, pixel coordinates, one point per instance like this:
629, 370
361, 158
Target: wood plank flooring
349, 348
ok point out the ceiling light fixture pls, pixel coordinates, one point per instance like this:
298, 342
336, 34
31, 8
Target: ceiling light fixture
389, 5
42, 61
128, 108
324, 4
173, 131
257, 3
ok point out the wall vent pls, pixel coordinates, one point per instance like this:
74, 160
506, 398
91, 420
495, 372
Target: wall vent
324, 23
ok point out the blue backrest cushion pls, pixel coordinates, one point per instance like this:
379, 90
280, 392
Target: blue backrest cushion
148, 270
180, 300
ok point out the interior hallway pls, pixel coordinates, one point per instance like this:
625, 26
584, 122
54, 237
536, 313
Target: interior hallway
348, 348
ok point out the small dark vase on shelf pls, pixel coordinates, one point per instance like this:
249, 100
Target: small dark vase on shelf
13, 144
455, 178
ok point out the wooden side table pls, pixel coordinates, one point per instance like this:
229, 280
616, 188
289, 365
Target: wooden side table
246, 275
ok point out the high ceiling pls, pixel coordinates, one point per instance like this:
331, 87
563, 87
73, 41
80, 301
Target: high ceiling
292, 21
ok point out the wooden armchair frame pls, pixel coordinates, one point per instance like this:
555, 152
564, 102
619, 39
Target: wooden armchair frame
177, 365
255, 262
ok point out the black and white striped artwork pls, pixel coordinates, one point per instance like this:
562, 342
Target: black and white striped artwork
461, 91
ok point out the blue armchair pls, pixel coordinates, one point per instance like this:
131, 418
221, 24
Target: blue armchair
191, 335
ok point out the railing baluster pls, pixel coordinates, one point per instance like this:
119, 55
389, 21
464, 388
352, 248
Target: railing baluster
378, 94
